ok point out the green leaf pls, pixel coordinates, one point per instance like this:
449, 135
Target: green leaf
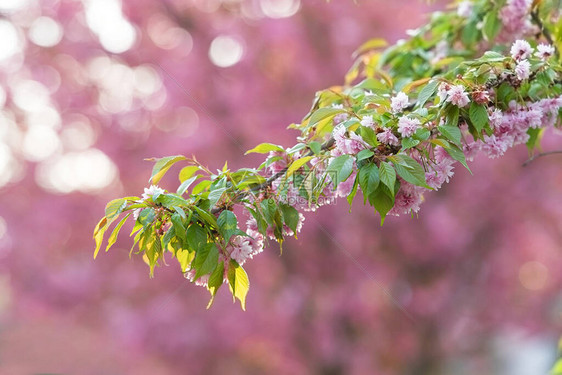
179, 228
341, 167
364, 154
115, 207
264, 148
215, 195
369, 180
353, 193
383, 201
202, 186
269, 208
409, 143
228, 224
422, 134
368, 135
452, 116
322, 114
492, 26
478, 116
196, 236
206, 259
99, 231
171, 200
387, 175
297, 164
187, 172
469, 34
452, 133
413, 173
215, 282
238, 282
113, 237
315, 147
427, 92
535, 136
290, 216
163, 165
185, 257
186, 184
457, 154
374, 43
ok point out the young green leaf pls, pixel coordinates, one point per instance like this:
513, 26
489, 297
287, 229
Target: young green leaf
115, 207
387, 175
264, 148
369, 179
297, 164
228, 224
290, 216
238, 282
427, 92
196, 236
187, 172
186, 184
206, 259
215, 282
99, 231
341, 167
162, 166
322, 114
452, 133
113, 237
413, 173
478, 116
315, 147
178, 226
383, 201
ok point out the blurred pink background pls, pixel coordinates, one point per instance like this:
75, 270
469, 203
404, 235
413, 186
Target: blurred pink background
90, 88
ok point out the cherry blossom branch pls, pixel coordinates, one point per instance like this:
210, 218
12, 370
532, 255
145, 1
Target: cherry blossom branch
536, 156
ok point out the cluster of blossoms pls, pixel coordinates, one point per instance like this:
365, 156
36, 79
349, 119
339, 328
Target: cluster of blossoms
515, 19
510, 128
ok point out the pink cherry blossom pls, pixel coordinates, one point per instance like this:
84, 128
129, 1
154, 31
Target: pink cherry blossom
407, 126
521, 50
399, 102
387, 137
457, 96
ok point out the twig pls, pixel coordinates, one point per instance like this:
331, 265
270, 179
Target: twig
540, 155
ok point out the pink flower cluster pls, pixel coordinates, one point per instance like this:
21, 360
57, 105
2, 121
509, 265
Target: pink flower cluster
241, 248
407, 126
399, 102
408, 199
515, 19
442, 170
346, 145
510, 127
454, 94
388, 137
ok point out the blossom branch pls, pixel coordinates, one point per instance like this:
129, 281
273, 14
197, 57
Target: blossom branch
536, 156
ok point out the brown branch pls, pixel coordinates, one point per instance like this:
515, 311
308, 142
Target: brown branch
540, 155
